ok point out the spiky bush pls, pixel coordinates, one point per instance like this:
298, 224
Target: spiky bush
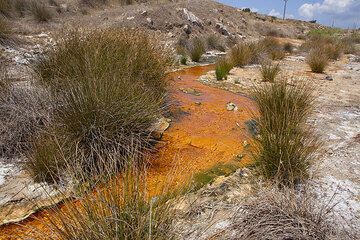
196, 49
272, 48
333, 51
286, 214
285, 147
110, 96
317, 59
244, 54
222, 68
269, 71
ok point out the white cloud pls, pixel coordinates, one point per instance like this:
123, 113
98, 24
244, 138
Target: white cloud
345, 9
274, 13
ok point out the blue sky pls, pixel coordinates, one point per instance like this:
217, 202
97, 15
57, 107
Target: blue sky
343, 13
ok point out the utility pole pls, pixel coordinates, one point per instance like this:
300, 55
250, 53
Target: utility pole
285, 5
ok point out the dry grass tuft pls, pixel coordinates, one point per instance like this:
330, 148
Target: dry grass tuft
244, 54
222, 68
285, 214
24, 111
288, 47
317, 59
110, 96
21, 6
285, 147
272, 48
214, 43
196, 49
240, 55
40, 11
5, 31
6, 7
269, 71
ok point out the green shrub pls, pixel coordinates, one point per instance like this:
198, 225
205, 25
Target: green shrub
45, 162
285, 147
325, 32
222, 69
269, 71
196, 50
183, 60
40, 11
110, 96
317, 60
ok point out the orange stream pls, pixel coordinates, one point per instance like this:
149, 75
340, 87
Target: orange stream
200, 136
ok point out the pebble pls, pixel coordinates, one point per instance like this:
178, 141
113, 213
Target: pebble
230, 106
329, 78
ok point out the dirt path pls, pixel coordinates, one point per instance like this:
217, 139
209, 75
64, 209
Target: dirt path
203, 134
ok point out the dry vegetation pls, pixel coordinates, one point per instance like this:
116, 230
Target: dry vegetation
269, 71
317, 60
327, 45
5, 31
102, 108
285, 214
196, 49
222, 68
285, 147
121, 210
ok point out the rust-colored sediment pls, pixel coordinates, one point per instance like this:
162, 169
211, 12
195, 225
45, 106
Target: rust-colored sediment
204, 133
